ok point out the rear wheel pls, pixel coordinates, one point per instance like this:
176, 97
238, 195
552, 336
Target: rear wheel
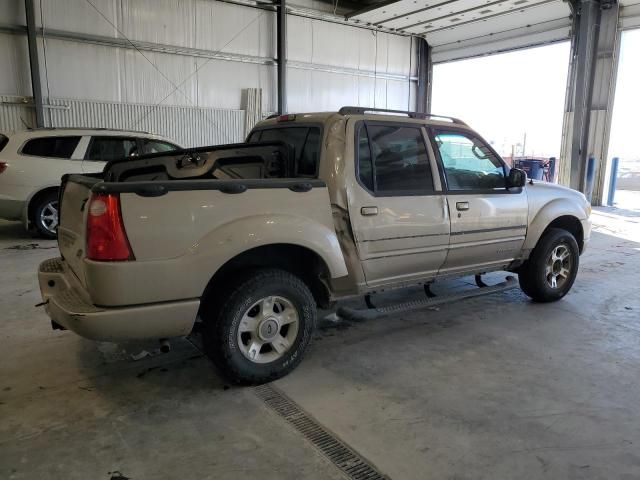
261, 326
45, 215
549, 273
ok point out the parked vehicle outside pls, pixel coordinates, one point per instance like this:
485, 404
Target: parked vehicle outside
32, 163
250, 238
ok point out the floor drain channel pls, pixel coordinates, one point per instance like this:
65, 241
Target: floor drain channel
352, 464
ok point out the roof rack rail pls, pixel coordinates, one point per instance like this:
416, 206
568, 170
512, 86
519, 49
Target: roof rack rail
363, 110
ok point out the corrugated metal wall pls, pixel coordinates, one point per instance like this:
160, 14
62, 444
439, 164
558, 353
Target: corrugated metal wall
113, 59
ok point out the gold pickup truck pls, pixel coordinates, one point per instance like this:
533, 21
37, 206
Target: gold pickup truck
250, 238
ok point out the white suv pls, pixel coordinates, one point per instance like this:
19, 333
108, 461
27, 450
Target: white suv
33, 161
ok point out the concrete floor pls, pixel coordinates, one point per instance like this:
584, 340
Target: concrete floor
490, 388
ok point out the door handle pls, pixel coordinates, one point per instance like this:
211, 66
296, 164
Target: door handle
368, 211
462, 206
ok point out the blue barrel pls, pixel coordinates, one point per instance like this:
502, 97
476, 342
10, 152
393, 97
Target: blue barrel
533, 168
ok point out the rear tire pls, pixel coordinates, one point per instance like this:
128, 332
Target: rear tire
551, 270
45, 216
258, 329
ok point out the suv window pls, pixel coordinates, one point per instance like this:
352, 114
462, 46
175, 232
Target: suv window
304, 140
392, 159
156, 146
469, 164
111, 148
55, 147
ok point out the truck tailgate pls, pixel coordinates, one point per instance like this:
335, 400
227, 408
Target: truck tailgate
74, 195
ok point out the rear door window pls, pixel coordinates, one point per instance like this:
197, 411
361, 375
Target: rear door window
111, 148
305, 142
54, 147
393, 160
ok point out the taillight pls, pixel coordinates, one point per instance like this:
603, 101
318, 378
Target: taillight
106, 237
3, 166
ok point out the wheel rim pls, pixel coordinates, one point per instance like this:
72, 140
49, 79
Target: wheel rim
268, 329
558, 267
49, 216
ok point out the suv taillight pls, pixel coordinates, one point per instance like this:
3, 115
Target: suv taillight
3, 166
106, 237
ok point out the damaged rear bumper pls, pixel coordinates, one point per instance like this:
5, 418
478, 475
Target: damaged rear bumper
68, 305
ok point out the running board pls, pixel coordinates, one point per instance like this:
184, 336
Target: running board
370, 313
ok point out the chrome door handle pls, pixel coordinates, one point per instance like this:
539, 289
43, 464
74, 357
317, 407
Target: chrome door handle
368, 211
462, 206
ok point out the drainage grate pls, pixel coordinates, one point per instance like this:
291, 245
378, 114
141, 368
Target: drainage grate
352, 464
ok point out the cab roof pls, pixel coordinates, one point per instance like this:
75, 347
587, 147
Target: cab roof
367, 114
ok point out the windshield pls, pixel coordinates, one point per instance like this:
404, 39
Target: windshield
304, 140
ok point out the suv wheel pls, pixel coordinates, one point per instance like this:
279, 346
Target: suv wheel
261, 328
549, 273
45, 215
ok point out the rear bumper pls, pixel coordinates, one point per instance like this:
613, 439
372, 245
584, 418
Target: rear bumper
67, 303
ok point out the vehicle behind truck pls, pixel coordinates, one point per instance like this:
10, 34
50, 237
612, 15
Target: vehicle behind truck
250, 239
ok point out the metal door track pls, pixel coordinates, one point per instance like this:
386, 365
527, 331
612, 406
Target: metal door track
370, 313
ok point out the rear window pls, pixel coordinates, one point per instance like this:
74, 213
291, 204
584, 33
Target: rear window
3, 141
55, 147
305, 142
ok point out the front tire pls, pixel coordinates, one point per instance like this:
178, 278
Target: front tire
261, 326
551, 270
45, 216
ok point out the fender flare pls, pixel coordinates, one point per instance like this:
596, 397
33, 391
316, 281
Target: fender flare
238, 236
552, 210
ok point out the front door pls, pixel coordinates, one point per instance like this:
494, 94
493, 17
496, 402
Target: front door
488, 221
397, 206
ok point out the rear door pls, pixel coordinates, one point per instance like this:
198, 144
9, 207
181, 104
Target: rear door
397, 206
103, 149
488, 221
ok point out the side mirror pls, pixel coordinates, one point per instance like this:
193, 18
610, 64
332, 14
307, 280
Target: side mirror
516, 178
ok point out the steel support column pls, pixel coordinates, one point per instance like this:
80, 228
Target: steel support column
590, 91
281, 24
425, 76
36, 87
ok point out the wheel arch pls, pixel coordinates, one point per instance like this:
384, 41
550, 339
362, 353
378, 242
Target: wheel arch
559, 213
301, 261
32, 201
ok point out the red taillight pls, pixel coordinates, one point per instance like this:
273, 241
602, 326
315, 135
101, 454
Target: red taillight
3, 166
286, 118
106, 238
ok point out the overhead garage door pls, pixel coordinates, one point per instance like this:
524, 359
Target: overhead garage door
467, 28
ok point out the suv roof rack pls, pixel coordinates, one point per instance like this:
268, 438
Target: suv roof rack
363, 110
36, 129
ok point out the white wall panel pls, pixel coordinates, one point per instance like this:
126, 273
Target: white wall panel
233, 28
79, 70
14, 57
12, 12
170, 22
151, 79
331, 64
79, 16
220, 83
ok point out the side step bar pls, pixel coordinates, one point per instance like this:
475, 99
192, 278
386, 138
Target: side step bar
370, 313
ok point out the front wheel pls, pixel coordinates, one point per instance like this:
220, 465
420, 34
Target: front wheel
261, 327
549, 273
